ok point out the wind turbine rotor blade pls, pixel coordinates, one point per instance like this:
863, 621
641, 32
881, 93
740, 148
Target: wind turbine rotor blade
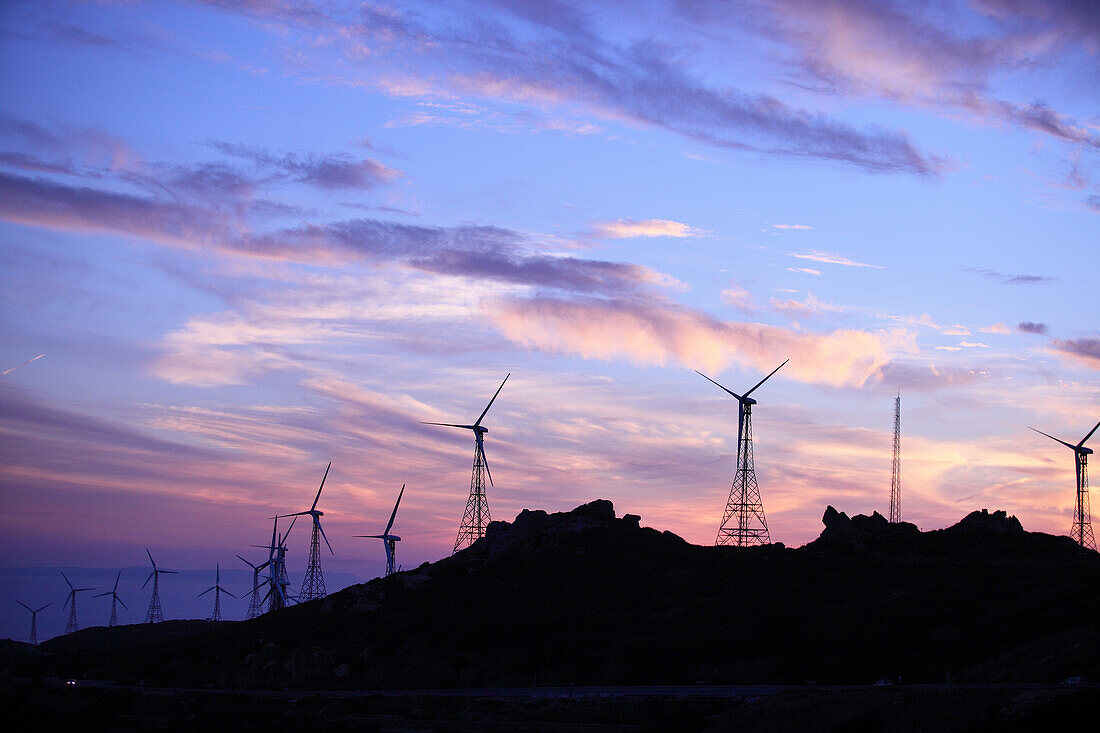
765, 378
169, 572
200, 595
704, 376
116, 581
316, 498
1068, 445
371, 536
292, 521
67, 599
486, 410
123, 604
485, 461
149, 578
1082, 443
246, 562
24, 605
66, 577
154, 562
449, 425
394, 514
228, 593
108, 593
43, 607
78, 590
322, 530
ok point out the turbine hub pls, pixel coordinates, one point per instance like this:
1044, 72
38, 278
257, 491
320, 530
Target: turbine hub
748, 401
1084, 451
480, 429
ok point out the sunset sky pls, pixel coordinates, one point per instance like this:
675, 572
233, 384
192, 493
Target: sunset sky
253, 237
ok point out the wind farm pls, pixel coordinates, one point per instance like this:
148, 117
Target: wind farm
242, 240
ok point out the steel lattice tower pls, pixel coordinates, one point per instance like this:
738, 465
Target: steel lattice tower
114, 613
254, 603
279, 600
155, 615
1082, 520
895, 477
71, 625
313, 585
743, 522
476, 517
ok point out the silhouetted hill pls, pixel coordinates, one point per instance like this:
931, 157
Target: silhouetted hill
583, 597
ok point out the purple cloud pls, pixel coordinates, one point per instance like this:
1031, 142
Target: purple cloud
483, 252
1010, 279
322, 171
1083, 350
550, 54
1029, 327
39, 202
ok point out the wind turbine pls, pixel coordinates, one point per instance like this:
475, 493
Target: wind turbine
34, 618
155, 615
476, 517
277, 580
744, 501
218, 590
115, 600
254, 604
70, 601
313, 585
389, 541
1081, 531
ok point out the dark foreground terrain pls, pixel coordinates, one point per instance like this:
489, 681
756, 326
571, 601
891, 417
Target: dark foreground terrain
37, 705
582, 599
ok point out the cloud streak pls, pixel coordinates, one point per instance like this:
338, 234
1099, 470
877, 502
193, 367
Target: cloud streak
656, 334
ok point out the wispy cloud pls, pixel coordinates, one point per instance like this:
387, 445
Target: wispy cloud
329, 172
831, 259
791, 226
656, 333
563, 61
23, 364
738, 297
805, 271
1010, 279
809, 306
1084, 351
628, 228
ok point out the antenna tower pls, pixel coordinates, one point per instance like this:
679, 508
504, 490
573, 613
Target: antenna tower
744, 503
895, 478
476, 517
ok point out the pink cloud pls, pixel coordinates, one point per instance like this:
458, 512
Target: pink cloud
628, 228
662, 333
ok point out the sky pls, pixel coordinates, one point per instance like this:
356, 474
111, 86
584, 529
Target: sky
250, 238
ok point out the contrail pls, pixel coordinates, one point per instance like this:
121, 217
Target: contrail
28, 361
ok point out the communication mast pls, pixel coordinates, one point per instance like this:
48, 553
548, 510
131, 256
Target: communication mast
895, 478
